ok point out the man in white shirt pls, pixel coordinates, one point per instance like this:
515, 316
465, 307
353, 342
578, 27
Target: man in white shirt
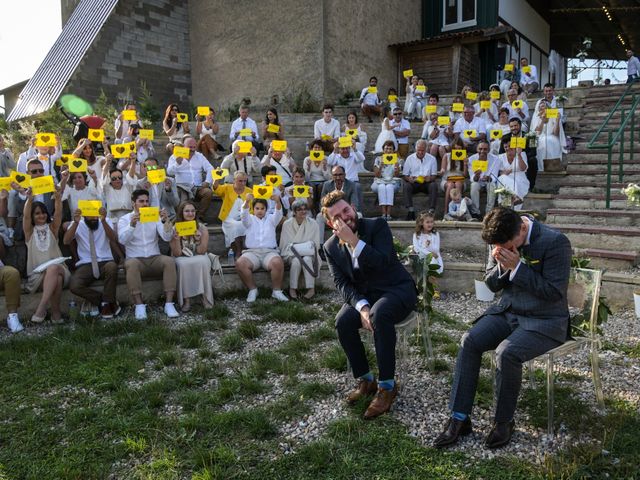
261, 246
46, 155
520, 113
402, 130
193, 177
163, 195
633, 67
282, 162
350, 159
528, 79
370, 102
244, 122
95, 261
468, 122
419, 175
327, 129
140, 241
549, 96
483, 178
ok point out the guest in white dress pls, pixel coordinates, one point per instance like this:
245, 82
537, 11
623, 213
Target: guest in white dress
427, 240
387, 180
550, 135
513, 173
412, 83
352, 125
316, 168
439, 137
503, 125
386, 132
117, 188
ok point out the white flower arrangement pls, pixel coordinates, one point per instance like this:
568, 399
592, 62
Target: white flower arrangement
632, 192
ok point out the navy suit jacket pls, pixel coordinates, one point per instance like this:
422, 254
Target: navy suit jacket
537, 295
379, 271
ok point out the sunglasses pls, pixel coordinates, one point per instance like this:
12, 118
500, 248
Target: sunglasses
399, 113
152, 167
36, 170
113, 179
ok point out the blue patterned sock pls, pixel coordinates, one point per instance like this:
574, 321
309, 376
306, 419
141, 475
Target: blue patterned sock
459, 416
386, 384
367, 376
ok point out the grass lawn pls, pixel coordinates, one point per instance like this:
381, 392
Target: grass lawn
216, 395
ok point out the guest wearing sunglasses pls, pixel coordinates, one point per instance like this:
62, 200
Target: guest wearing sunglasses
118, 187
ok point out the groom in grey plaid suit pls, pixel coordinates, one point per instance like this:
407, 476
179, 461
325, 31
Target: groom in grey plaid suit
530, 263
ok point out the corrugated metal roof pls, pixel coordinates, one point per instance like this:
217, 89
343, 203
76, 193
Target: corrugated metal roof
53, 74
478, 32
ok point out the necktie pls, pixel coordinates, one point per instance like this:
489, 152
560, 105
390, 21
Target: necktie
244, 125
94, 259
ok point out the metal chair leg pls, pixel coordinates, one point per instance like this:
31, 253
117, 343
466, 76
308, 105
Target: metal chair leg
595, 372
550, 394
424, 330
532, 378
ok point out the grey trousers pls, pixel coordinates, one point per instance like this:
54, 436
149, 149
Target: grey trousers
513, 345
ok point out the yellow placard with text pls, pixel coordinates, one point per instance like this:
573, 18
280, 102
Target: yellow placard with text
316, 155
219, 173
431, 108
90, 208
149, 214
182, 117
273, 128
5, 183
204, 111
372, 90
552, 113
444, 120
64, 160
481, 165
390, 158
518, 142
457, 107
157, 176
262, 191
517, 104
147, 134
526, 69
129, 115
485, 104
181, 152
508, 67
77, 165
470, 134
421, 88
21, 179
186, 229
407, 73
471, 95
46, 140
495, 134
244, 147
42, 185
495, 95
96, 135
279, 145
245, 132
273, 180
301, 191
458, 154
392, 98
345, 142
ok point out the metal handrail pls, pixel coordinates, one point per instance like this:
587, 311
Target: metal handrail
592, 143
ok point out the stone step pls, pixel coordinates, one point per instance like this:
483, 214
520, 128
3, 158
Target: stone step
594, 217
601, 169
618, 201
608, 259
592, 236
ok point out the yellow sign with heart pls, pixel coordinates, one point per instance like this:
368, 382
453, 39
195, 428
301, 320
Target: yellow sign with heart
219, 173
96, 135
470, 134
46, 140
301, 191
262, 191
64, 160
495, 134
274, 180
21, 179
77, 165
316, 155
182, 117
458, 154
495, 95
517, 104
390, 158
421, 88
526, 69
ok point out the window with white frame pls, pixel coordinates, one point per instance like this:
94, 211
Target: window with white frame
458, 14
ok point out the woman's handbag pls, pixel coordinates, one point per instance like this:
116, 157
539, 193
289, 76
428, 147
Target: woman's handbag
307, 249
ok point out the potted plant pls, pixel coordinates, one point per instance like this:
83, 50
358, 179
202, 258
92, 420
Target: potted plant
632, 192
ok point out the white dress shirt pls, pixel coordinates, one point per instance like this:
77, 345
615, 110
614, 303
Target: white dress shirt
477, 124
103, 250
239, 124
402, 125
190, 172
414, 167
323, 128
493, 167
261, 232
526, 79
351, 164
369, 98
141, 241
513, 114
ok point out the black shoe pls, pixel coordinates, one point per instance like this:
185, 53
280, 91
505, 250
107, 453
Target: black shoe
411, 216
453, 430
500, 434
322, 255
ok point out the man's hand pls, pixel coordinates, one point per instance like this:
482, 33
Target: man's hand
77, 215
507, 258
364, 318
135, 217
103, 214
344, 232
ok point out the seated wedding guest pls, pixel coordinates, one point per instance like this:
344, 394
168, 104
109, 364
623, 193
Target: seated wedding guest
521, 113
503, 125
144, 150
262, 248
279, 190
246, 123
273, 122
549, 97
193, 263
193, 176
317, 170
495, 95
163, 195
237, 161
438, 137
432, 102
402, 129
92, 236
507, 77
327, 129
10, 283
299, 244
453, 173
419, 176
121, 126
282, 162
426, 240
85, 151
350, 159
6, 160
458, 209
392, 98
513, 173
233, 196
82, 187
46, 270
377, 291
340, 183
174, 129
288, 196
386, 131
410, 87
550, 138
528, 76
531, 318
360, 135
470, 122
117, 188
370, 103
522, 95
485, 178
46, 155
529, 152
418, 101
489, 115
455, 116
207, 128
143, 254
387, 180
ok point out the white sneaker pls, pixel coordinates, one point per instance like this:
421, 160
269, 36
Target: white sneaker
95, 311
253, 294
13, 322
170, 310
278, 295
141, 312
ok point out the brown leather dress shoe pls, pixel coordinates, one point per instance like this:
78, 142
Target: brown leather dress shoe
364, 389
381, 403
500, 434
453, 430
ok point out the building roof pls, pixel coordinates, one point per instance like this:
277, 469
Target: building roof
483, 33
53, 74
13, 87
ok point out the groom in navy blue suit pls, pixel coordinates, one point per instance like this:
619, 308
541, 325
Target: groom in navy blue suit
378, 293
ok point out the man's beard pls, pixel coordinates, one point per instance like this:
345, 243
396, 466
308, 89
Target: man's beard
92, 224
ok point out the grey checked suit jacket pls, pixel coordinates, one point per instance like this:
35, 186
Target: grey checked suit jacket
537, 296
348, 189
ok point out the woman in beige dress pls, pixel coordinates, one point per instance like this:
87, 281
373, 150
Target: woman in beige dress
41, 238
192, 260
